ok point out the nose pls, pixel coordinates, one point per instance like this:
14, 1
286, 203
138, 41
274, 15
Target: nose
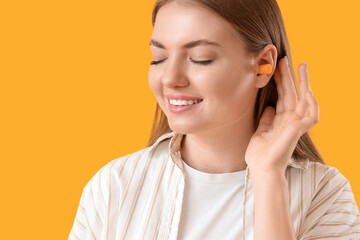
174, 74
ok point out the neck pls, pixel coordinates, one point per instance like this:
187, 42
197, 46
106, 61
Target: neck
220, 150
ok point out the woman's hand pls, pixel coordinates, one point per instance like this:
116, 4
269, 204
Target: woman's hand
273, 143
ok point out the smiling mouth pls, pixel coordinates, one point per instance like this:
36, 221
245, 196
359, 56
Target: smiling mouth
175, 102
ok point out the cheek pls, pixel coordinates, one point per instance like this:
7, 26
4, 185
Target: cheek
154, 82
230, 92
157, 89
227, 82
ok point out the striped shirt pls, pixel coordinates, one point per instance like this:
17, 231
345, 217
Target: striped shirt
140, 196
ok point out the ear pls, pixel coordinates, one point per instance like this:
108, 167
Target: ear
267, 56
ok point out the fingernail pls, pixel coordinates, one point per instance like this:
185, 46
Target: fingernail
306, 66
287, 60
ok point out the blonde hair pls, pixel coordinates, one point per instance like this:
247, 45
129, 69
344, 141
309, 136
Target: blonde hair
259, 23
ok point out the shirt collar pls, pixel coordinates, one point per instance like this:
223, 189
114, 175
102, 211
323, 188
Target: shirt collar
174, 150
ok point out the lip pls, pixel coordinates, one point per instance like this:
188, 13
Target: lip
177, 109
180, 97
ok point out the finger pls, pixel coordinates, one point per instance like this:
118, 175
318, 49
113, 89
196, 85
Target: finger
266, 119
302, 108
313, 118
290, 97
280, 101
304, 85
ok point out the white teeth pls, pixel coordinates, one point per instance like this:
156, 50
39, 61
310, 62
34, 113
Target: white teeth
184, 102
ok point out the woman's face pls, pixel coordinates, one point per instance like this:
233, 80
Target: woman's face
224, 78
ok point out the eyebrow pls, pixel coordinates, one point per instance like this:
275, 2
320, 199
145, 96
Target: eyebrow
192, 44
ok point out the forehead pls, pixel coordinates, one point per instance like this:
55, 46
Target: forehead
177, 23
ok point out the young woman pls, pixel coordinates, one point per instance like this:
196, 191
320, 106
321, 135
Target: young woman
229, 155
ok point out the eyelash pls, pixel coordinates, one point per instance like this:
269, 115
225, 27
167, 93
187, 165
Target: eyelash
207, 62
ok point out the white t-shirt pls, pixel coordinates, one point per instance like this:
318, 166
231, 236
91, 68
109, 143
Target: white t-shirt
212, 206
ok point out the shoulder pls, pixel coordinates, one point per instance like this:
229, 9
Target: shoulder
315, 186
329, 185
325, 176
322, 202
133, 165
315, 176
330, 209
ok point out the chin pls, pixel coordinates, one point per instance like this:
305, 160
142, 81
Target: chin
179, 129
182, 128
186, 127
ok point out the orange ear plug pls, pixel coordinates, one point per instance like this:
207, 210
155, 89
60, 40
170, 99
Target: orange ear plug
265, 69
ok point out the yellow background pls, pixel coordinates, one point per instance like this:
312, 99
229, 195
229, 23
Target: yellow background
74, 95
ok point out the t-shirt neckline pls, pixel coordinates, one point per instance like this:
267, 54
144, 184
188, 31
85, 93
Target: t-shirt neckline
214, 178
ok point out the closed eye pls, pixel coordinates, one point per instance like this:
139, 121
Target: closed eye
155, 62
206, 62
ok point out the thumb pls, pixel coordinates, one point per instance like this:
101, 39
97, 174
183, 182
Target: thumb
266, 119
